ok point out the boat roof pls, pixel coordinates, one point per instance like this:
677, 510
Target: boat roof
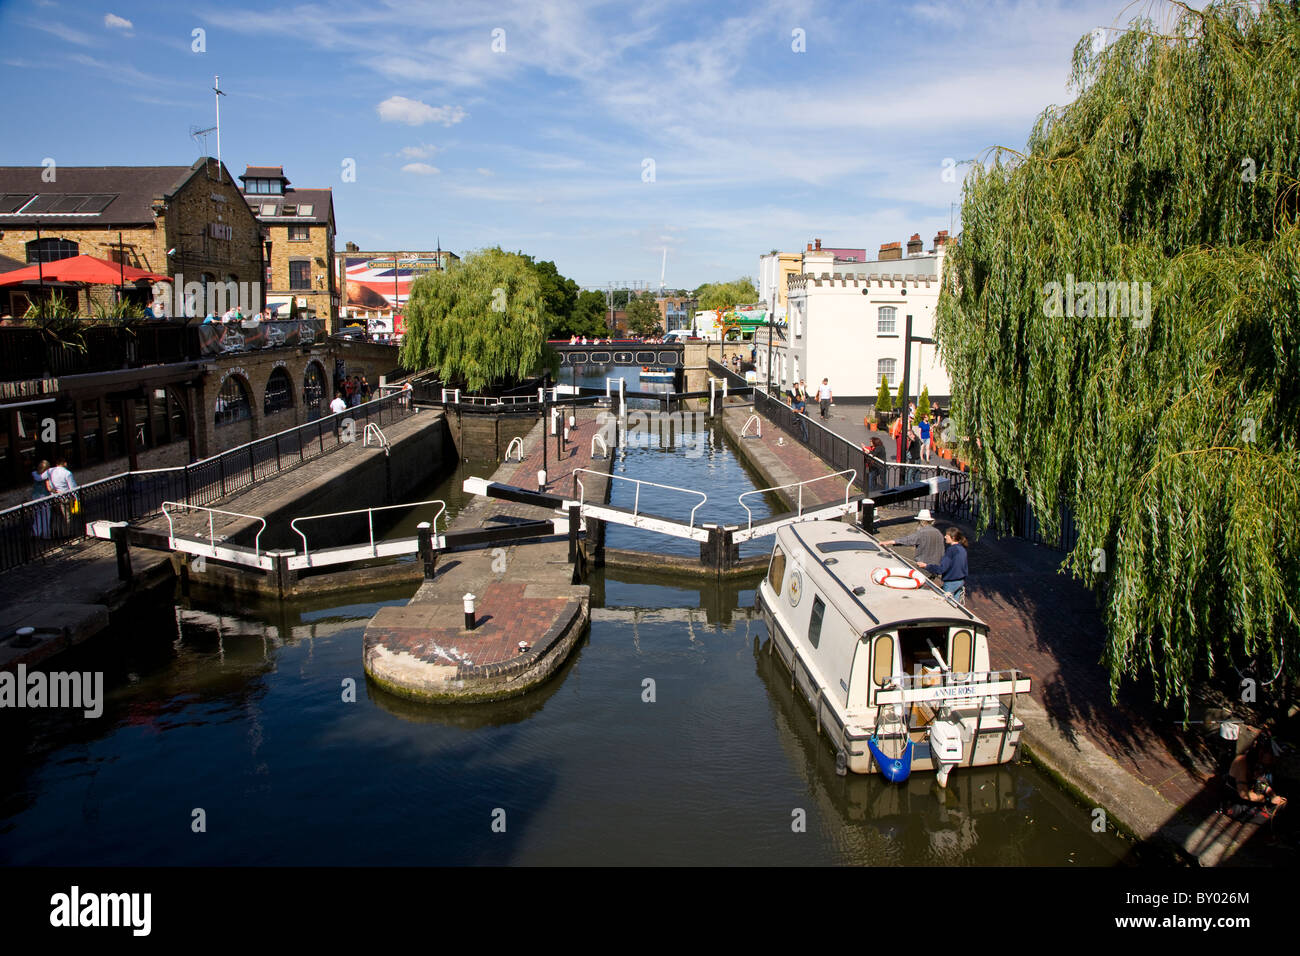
847, 555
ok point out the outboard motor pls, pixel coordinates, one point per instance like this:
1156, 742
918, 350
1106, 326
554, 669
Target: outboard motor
945, 746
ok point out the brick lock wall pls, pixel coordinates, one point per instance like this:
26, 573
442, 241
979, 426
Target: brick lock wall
255, 370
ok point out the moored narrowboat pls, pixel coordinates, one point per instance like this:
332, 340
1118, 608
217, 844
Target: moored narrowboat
897, 672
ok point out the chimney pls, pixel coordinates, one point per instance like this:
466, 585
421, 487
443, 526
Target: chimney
891, 250
914, 245
941, 239
819, 245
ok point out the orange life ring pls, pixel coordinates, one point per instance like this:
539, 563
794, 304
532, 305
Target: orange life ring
903, 579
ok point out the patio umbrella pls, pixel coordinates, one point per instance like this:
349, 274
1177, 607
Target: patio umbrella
83, 270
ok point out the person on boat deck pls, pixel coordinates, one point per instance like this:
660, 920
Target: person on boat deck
953, 566
926, 539
1252, 774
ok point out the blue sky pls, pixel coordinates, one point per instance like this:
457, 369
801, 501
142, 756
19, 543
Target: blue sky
542, 146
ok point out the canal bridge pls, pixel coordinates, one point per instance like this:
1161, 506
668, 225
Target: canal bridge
669, 354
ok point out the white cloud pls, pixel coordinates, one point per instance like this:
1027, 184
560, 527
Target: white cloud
114, 22
399, 109
422, 169
423, 151
63, 33
484, 171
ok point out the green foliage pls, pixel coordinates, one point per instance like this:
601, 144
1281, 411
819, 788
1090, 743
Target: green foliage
55, 307
559, 294
923, 404
1173, 441
124, 309
481, 321
724, 295
589, 315
643, 315
884, 400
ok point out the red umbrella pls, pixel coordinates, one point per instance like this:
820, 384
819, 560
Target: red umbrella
88, 270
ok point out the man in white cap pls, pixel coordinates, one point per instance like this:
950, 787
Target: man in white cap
926, 539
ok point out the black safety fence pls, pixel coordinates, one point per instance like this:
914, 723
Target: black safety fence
957, 502
34, 529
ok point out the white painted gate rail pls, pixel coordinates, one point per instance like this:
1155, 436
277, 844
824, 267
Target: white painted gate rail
235, 555
615, 515
832, 510
381, 549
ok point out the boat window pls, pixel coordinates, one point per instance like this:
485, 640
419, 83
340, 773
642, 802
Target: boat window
882, 668
815, 625
776, 573
963, 652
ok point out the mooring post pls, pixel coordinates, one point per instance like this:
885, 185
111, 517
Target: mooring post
709, 548
867, 515
118, 536
426, 548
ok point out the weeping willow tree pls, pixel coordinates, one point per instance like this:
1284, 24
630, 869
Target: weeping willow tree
482, 321
1167, 425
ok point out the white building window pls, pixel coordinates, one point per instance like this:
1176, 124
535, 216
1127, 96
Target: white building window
885, 369
887, 322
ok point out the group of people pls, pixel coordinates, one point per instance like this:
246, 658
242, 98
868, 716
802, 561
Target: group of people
940, 555
236, 316
56, 480
354, 390
920, 435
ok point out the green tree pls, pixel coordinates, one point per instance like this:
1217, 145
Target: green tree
481, 321
923, 404
724, 295
1165, 419
643, 315
884, 400
560, 295
589, 315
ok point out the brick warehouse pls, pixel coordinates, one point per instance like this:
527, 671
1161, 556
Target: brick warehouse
298, 232
192, 220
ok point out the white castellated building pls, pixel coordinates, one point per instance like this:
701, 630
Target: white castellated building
845, 321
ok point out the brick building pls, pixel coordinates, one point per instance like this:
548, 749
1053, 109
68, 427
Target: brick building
298, 227
176, 220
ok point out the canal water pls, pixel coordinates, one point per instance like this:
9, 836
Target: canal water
670, 737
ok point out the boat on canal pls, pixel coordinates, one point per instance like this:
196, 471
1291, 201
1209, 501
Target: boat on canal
896, 671
652, 374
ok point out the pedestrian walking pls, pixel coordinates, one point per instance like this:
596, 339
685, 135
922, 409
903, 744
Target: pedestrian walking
41, 488
953, 568
876, 464
337, 408
800, 405
924, 429
365, 389
825, 397
926, 539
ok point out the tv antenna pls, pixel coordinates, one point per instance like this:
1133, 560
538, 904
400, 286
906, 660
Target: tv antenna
200, 137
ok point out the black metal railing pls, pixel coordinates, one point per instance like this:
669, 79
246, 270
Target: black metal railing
32, 530
958, 502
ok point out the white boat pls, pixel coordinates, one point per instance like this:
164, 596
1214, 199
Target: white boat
897, 672
649, 374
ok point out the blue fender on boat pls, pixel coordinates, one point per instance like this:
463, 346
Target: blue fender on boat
894, 769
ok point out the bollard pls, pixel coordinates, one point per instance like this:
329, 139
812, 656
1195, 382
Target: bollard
426, 548
541, 477
867, 515
469, 611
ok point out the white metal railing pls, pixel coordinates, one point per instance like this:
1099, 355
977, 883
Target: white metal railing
381, 439
636, 501
454, 392
370, 521
515, 443
848, 487
604, 448
212, 538
753, 420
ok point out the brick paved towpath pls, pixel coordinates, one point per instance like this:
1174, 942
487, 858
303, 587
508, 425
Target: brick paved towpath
1157, 780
